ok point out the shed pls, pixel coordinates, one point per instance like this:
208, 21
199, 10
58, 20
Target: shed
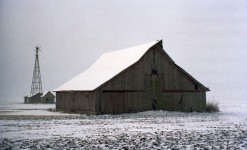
33, 99
135, 79
48, 97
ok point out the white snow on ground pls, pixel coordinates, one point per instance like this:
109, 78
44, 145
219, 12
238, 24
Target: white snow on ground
32, 112
143, 130
28, 109
151, 130
22, 106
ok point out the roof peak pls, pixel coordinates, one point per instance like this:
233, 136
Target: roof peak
136, 46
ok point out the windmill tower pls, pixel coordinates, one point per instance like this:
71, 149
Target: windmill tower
36, 81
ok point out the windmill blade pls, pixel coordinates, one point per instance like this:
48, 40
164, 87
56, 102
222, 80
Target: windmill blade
38, 47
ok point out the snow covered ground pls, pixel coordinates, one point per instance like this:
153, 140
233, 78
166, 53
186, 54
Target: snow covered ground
144, 130
27, 109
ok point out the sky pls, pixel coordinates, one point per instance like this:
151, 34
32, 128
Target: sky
206, 38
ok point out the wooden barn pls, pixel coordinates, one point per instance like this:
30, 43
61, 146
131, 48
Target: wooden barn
131, 80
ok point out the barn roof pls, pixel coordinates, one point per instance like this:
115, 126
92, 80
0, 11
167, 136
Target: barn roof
46, 92
105, 68
112, 63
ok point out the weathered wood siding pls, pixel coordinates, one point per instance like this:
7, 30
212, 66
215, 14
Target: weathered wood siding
121, 102
76, 102
154, 82
139, 88
127, 92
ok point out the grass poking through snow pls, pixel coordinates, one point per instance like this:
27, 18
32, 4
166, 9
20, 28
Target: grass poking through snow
212, 107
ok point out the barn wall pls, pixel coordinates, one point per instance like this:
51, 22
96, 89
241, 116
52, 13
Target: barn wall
194, 101
76, 102
83, 102
123, 102
127, 92
137, 88
183, 101
98, 101
170, 101
60, 100
175, 90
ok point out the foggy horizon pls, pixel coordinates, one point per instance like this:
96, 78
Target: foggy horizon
207, 39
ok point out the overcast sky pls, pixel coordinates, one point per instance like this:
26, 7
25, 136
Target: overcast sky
206, 38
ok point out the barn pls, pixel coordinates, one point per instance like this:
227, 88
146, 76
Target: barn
135, 79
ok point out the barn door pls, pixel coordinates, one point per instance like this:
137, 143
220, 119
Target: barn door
154, 88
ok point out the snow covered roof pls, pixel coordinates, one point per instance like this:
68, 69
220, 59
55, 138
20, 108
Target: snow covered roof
46, 92
105, 68
29, 95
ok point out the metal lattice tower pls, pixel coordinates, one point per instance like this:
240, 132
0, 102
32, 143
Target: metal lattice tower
36, 81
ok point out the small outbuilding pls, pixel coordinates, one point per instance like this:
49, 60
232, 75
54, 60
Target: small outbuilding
131, 80
33, 99
48, 97
45, 98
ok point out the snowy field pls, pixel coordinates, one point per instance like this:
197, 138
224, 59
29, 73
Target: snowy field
33, 127
27, 109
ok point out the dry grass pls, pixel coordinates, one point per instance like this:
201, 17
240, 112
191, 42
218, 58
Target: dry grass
212, 106
51, 109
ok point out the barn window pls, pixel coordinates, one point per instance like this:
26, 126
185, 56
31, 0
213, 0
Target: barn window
196, 87
154, 70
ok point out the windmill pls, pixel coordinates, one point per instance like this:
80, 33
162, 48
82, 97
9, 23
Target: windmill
36, 86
